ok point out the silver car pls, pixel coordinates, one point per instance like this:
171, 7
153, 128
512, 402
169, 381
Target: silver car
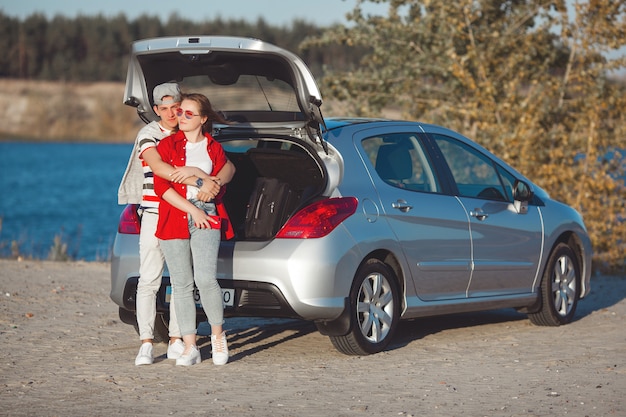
352, 223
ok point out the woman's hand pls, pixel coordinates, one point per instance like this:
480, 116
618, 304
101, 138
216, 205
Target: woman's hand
203, 220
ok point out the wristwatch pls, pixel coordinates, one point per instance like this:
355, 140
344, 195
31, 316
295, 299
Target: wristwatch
199, 182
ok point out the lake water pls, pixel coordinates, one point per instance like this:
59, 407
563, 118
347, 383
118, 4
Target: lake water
60, 189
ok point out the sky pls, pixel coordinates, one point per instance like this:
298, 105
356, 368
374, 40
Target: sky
274, 12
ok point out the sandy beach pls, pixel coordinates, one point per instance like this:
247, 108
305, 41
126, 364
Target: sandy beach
66, 353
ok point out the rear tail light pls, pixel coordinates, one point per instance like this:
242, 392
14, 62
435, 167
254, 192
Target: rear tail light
318, 219
130, 224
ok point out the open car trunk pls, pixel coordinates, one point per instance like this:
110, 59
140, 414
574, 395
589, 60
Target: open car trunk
275, 177
272, 104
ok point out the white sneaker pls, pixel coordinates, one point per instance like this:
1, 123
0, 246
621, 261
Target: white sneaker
219, 349
175, 350
191, 358
144, 357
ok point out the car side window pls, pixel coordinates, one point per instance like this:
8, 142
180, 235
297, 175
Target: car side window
400, 160
474, 173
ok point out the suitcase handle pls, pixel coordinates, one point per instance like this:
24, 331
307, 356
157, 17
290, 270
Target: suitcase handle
258, 207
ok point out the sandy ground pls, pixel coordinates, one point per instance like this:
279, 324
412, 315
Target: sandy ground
65, 353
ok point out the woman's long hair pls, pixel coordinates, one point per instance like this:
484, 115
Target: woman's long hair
206, 110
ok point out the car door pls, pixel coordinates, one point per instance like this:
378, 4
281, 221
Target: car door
432, 227
506, 243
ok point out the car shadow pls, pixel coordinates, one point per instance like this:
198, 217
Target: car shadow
414, 329
251, 335
606, 291
255, 334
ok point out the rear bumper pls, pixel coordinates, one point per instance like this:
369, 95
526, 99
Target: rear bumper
252, 299
306, 279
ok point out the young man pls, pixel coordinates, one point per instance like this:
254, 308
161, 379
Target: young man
137, 187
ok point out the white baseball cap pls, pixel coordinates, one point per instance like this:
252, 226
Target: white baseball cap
166, 90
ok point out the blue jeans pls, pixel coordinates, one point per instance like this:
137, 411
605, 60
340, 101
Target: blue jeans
190, 261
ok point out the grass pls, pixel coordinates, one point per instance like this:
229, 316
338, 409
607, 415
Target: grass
58, 251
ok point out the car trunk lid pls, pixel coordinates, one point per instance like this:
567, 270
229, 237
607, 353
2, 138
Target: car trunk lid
256, 85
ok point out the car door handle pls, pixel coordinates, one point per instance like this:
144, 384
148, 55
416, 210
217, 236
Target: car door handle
479, 214
401, 205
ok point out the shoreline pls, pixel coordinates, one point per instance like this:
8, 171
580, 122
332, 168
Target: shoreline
94, 109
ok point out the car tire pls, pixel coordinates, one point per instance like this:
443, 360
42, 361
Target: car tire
375, 310
560, 288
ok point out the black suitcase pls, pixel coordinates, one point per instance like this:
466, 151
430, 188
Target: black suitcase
270, 204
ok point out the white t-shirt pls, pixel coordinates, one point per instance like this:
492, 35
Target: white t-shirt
197, 155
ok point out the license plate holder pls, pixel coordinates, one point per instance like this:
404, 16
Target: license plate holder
228, 296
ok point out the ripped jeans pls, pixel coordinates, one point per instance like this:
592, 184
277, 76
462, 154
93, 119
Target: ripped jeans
190, 261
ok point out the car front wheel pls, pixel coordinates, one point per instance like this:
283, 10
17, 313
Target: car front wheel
560, 288
375, 310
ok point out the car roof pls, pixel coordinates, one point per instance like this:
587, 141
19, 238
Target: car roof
334, 123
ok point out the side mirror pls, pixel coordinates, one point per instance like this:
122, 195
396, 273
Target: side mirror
522, 194
522, 191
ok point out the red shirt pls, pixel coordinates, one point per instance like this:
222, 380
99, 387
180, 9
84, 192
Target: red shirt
173, 223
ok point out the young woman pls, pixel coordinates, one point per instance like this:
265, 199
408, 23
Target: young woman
189, 229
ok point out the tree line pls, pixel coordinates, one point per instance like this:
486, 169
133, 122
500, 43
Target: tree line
95, 48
